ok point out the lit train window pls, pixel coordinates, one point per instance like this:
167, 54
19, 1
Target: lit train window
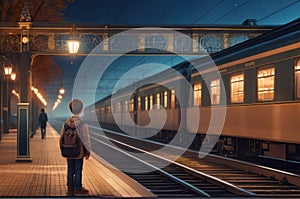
117, 107
158, 100
102, 110
297, 78
237, 88
197, 94
108, 109
215, 91
139, 104
126, 106
166, 101
172, 99
265, 84
151, 102
131, 105
146, 103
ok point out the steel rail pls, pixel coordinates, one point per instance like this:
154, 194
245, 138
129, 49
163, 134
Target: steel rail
183, 183
261, 170
221, 183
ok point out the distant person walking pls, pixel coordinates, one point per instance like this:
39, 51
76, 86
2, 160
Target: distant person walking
75, 127
43, 119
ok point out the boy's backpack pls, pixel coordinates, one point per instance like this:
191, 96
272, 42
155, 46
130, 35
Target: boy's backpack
70, 146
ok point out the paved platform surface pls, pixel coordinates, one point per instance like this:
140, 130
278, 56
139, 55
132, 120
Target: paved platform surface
46, 175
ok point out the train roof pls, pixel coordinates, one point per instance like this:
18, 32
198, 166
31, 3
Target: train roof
278, 37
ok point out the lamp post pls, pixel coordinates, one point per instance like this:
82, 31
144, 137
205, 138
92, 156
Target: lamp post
23, 152
6, 100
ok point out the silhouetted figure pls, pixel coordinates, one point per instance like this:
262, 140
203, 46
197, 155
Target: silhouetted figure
43, 118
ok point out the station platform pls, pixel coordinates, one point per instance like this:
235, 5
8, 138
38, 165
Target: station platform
46, 175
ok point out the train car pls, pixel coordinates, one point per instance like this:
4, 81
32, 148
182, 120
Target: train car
129, 109
261, 80
261, 85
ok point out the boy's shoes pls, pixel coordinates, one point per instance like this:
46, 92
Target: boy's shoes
70, 191
81, 192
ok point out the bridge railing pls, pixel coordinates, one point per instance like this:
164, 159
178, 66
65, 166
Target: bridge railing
52, 38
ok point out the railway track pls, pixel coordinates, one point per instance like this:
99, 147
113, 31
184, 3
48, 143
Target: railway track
172, 181
249, 179
284, 165
191, 177
259, 181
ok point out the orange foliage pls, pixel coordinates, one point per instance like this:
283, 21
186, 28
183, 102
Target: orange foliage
40, 10
44, 68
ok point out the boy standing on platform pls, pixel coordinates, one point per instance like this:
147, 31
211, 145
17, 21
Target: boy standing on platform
75, 164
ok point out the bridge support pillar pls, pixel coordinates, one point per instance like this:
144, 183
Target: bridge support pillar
23, 151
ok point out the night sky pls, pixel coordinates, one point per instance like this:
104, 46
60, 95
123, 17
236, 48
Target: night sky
159, 13
182, 11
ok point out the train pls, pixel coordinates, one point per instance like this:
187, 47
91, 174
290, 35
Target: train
257, 82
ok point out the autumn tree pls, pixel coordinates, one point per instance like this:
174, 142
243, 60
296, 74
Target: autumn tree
44, 67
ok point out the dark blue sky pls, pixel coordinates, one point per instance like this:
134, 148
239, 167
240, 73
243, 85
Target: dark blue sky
182, 11
161, 12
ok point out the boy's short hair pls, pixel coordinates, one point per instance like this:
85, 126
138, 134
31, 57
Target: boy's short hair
75, 106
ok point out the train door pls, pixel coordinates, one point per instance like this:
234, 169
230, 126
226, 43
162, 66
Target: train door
136, 105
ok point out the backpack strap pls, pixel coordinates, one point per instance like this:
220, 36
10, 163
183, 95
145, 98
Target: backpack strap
66, 126
81, 123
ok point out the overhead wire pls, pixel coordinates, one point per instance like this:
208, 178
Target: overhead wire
120, 12
230, 11
169, 8
205, 14
277, 11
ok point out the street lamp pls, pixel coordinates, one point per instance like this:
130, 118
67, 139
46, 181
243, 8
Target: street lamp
14, 92
6, 101
61, 90
73, 43
73, 46
7, 69
13, 76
